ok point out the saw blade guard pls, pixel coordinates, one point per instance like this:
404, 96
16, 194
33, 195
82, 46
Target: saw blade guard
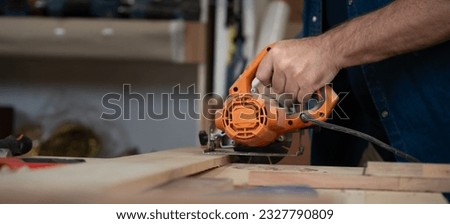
255, 120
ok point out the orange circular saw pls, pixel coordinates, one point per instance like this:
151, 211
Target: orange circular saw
253, 121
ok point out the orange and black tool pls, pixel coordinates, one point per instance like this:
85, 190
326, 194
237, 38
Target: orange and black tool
253, 123
254, 120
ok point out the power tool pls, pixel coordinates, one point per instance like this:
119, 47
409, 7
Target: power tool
252, 124
255, 124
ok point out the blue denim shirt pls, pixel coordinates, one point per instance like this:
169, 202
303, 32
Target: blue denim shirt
410, 92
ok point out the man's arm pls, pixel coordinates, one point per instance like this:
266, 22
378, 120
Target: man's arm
401, 27
302, 66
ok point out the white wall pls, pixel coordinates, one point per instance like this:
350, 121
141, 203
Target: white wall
49, 90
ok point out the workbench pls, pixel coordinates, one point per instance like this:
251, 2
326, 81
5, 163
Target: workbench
186, 175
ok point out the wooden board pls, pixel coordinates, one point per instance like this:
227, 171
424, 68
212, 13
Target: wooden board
381, 197
218, 190
337, 181
408, 170
195, 43
126, 176
377, 176
339, 184
187, 176
431, 178
239, 173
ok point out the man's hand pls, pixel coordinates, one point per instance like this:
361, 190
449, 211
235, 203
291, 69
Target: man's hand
297, 67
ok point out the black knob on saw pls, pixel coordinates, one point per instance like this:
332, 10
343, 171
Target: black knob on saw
18, 145
203, 137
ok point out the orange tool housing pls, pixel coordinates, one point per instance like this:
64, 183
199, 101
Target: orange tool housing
255, 120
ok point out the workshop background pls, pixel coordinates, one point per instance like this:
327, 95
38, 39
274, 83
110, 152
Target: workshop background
59, 58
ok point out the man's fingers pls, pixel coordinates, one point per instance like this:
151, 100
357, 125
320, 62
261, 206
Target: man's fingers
304, 94
292, 89
278, 81
265, 70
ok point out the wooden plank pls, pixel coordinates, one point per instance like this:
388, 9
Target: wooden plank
213, 190
255, 195
195, 43
340, 184
126, 175
192, 187
230, 198
381, 197
238, 176
239, 173
220, 190
159, 40
339, 181
408, 170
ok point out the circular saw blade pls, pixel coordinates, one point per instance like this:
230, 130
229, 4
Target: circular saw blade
282, 148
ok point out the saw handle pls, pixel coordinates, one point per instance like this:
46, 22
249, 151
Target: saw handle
326, 101
244, 83
326, 97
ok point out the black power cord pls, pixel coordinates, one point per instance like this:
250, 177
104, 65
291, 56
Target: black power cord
359, 134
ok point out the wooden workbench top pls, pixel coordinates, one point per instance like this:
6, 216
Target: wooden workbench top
186, 175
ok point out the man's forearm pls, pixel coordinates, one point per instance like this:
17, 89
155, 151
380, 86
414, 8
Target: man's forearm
401, 27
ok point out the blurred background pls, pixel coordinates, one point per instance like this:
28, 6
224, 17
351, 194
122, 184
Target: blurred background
59, 58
